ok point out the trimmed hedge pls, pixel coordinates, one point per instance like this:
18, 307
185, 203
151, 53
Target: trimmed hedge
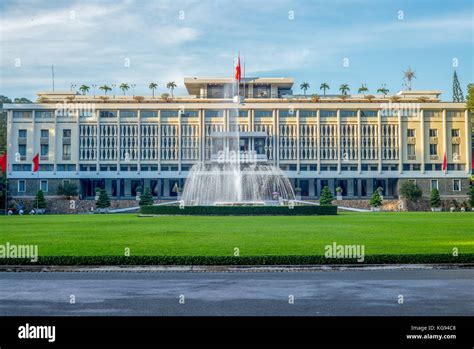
310, 210
231, 260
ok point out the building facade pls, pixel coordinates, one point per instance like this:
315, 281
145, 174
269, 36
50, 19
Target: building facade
356, 142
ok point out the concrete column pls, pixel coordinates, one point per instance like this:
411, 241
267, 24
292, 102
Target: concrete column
370, 186
166, 187
331, 185
350, 187
318, 186
359, 187
311, 191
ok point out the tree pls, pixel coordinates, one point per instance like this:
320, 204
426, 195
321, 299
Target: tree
68, 189
410, 191
326, 196
146, 199
171, 86
376, 199
470, 194
104, 201
153, 86
304, 86
84, 89
383, 90
435, 200
457, 91
40, 201
408, 76
105, 88
344, 88
324, 86
22, 100
470, 98
363, 89
124, 87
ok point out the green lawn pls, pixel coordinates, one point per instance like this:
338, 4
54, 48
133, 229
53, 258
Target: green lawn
381, 233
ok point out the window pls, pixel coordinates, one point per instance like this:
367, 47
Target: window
46, 167
43, 114
21, 167
44, 150
264, 113
21, 114
434, 184
44, 185
416, 167
432, 113
213, 113
455, 132
261, 91
411, 150
190, 113
85, 114
456, 185
308, 113
410, 132
22, 150
433, 149
368, 113
66, 133
243, 113
433, 132
456, 152
287, 113
66, 151
455, 113
22, 133
66, 167
21, 186
348, 113
148, 114
128, 113
108, 114
328, 113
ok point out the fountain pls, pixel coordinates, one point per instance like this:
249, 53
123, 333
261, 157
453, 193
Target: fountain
232, 183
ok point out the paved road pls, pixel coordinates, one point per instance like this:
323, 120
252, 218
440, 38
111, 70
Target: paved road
322, 293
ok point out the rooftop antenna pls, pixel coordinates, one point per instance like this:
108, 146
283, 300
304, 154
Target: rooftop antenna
52, 75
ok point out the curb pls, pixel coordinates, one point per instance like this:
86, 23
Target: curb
230, 269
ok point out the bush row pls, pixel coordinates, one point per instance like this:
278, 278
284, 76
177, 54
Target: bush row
230, 260
240, 210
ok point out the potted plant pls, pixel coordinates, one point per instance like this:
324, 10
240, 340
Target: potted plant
463, 206
338, 193
103, 203
375, 201
40, 202
298, 193
138, 191
435, 201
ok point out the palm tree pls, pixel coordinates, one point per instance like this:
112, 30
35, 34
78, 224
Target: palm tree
363, 89
171, 86
324, 86
408, 76
153, 87
344, 88
384, 90
84, 89
105, 88
124, 87
304, 86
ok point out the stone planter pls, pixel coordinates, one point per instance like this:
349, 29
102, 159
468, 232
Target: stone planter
436, 209
137, 197
40, 210
375, 209
102, 210
339, 197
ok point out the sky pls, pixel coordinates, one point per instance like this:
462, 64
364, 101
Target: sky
141, 41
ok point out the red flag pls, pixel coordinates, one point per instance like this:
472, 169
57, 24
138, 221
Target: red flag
3, 162
445, 162
237, 69
36, 161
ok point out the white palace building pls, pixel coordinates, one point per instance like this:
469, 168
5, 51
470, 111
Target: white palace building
355, 142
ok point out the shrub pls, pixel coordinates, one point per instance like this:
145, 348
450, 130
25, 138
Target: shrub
471, 196
68, 189
240, 210
146, 198
40, 201
376, 199
326, 196
410, 191
435, 200
104, 201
